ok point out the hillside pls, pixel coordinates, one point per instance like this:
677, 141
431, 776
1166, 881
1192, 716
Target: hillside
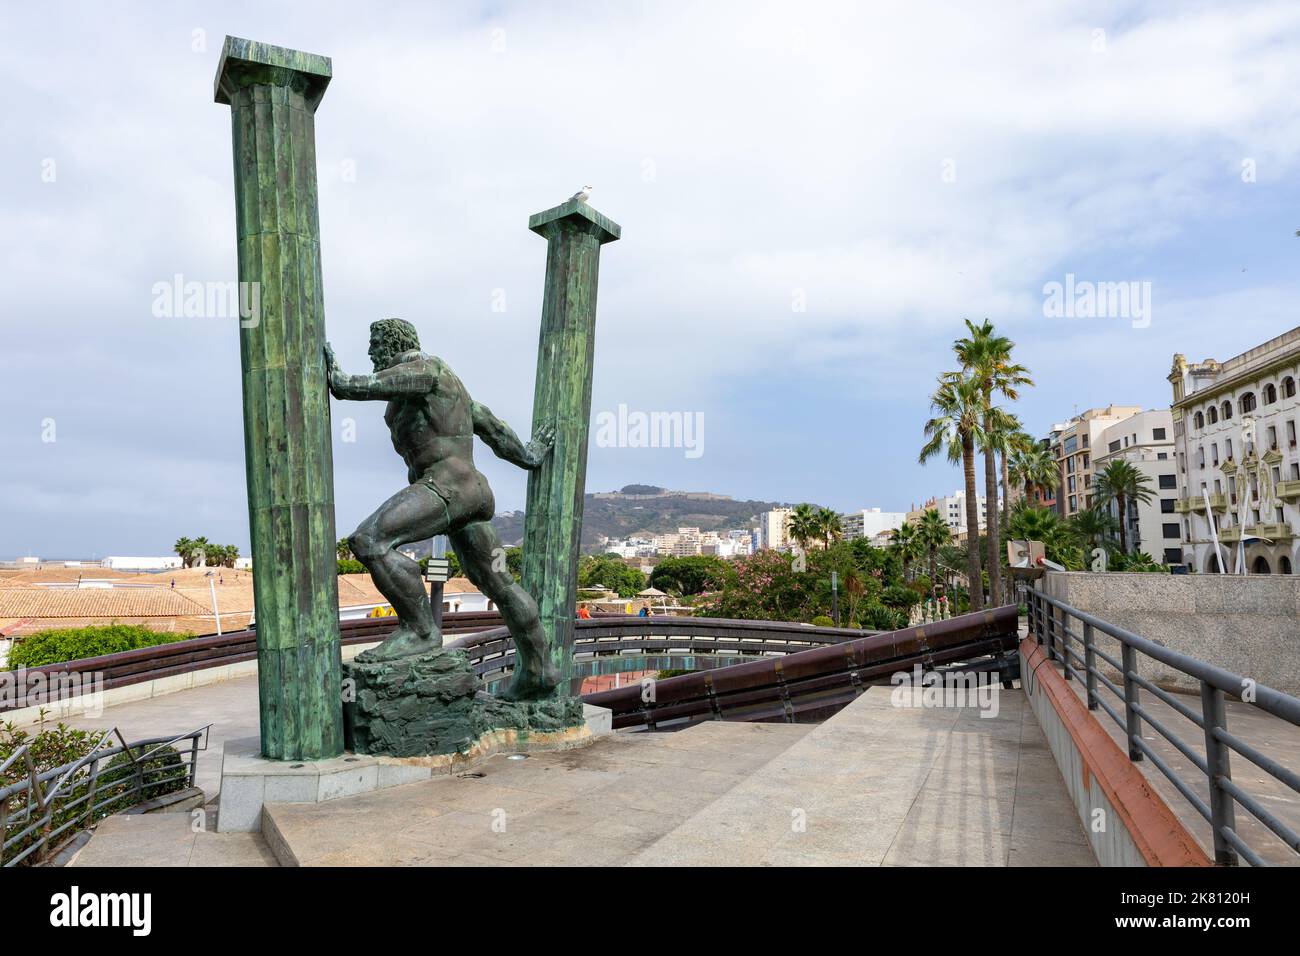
645, 510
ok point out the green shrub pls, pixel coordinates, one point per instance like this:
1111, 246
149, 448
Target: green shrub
898, 596
351, 566
77, 643
821, 620
877, 617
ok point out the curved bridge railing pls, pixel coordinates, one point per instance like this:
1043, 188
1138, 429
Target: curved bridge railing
813, 683
616, 643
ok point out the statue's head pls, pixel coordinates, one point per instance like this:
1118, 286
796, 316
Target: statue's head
389, 338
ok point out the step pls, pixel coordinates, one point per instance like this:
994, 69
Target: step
594, 806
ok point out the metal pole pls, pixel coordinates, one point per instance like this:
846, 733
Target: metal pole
1090, 666
835, 597
438, 549
1065, 644
212, 587
1132, 722
1222, 811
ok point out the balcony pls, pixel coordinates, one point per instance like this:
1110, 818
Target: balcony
1183, 505
1272, 530
1288, 489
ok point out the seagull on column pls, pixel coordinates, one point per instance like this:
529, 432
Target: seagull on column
581, 195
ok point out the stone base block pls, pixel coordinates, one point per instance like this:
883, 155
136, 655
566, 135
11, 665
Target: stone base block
431, 704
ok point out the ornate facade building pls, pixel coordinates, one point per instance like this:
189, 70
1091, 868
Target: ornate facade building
1238, 464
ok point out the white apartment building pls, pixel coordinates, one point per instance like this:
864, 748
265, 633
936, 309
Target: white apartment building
773, 527
1238, 465
869, 522
1146, 441
953, 509
1074, 446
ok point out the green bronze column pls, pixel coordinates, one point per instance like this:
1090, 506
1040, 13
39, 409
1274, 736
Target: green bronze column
273, 93
574, 233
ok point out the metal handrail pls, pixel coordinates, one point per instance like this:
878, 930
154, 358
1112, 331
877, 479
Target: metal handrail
1049, 620
70, 791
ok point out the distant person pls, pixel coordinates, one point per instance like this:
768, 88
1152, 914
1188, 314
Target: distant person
644, 612
584, 614
173, 584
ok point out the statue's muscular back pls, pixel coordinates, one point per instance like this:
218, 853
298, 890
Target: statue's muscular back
434, 434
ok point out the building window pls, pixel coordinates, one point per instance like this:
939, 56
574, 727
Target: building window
1270, 394
1227, 410
1157, 434
1168, 481
1170, 530
1247, 403
1288, 387
1114, 446
1173, 556
1214, 415
1290, 434
1227, 448
1167, 506
1162, 456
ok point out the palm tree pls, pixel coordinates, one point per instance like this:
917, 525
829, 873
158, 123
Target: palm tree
1015, 440
1034, 467
1093, 525
185, 551
905, 544
957, 425
1121, 482
932, 532
803, 525
986, 356
829, 525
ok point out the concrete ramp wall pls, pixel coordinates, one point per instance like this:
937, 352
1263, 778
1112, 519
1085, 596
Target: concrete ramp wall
1126, 821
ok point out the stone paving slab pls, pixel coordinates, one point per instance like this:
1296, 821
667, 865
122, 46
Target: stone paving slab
879, 784
169, 839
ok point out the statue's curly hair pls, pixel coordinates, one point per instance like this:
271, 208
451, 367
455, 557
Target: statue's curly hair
396, 335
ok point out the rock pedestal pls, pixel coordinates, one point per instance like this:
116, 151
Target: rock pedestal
431, 704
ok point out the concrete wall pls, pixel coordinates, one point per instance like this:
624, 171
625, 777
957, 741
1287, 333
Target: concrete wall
1127, 822
1247, 624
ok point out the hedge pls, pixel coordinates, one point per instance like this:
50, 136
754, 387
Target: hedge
76, 643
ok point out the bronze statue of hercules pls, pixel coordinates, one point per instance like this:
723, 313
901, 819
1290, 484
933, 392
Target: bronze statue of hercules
433, 422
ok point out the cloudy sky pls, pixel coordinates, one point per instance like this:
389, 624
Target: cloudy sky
813, 196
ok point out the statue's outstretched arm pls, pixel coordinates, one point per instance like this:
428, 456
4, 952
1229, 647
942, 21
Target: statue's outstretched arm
505, 444
409, 378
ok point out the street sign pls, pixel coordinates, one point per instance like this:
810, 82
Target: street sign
438, 570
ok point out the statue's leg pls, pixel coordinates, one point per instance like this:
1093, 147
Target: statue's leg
483, 559
413, 514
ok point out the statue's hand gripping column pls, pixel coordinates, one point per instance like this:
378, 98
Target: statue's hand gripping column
273, 94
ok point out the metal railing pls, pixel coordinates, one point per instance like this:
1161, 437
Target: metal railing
38, 811
1049, 624
708, 640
